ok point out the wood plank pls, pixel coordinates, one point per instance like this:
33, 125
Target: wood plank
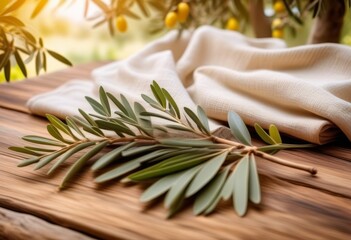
21, 226
295, 205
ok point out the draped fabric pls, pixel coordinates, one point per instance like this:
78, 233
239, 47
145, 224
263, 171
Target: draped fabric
305, 91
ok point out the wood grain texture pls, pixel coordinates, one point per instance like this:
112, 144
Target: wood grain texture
295, 205
18, 226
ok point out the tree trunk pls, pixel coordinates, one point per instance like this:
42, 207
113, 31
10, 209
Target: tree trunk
260, 23
327, 26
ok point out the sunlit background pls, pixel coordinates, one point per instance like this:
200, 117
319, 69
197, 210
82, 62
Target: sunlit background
67, 31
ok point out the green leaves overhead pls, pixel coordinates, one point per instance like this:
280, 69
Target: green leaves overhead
59, 57
40, 6
20, 63
18, 44
200, 167
14, 6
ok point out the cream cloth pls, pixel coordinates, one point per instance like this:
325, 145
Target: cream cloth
305, 91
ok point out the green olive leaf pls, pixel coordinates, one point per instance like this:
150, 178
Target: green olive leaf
274, 133
241, 186
203, 118
104, 101
159, 187
263, 135
205, 175
81, 162
172, 102
111, 156
97, 106
25, 151
68, 154
238, 128
180, 185
42, 140
209, 194
254, 182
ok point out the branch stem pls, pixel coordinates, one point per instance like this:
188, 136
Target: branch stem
228, 142
251, 149
286, 163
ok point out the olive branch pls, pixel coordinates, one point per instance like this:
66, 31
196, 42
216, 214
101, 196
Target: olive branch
200, 166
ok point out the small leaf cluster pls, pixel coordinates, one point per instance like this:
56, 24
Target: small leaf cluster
18, 46
201, 166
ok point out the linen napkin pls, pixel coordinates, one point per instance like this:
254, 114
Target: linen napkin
305, 91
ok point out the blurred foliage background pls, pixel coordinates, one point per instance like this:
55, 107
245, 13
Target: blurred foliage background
66, 29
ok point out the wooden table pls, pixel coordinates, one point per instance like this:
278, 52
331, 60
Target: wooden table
295, 205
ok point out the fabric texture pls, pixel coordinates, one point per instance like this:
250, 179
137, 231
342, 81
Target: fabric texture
305, 91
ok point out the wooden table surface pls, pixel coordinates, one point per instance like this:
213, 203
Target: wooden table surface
294, 206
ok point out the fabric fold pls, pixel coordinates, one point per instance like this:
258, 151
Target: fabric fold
305, 91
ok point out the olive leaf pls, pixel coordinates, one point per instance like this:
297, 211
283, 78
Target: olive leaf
238, 128
263, 135
274, 133
104, 101
159, 187
254, 187
241, 186
178, 188
81, 162
111, 156
59, 57
40, 6
158, 94
205, 175
197, 121
25, 151
209, 195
